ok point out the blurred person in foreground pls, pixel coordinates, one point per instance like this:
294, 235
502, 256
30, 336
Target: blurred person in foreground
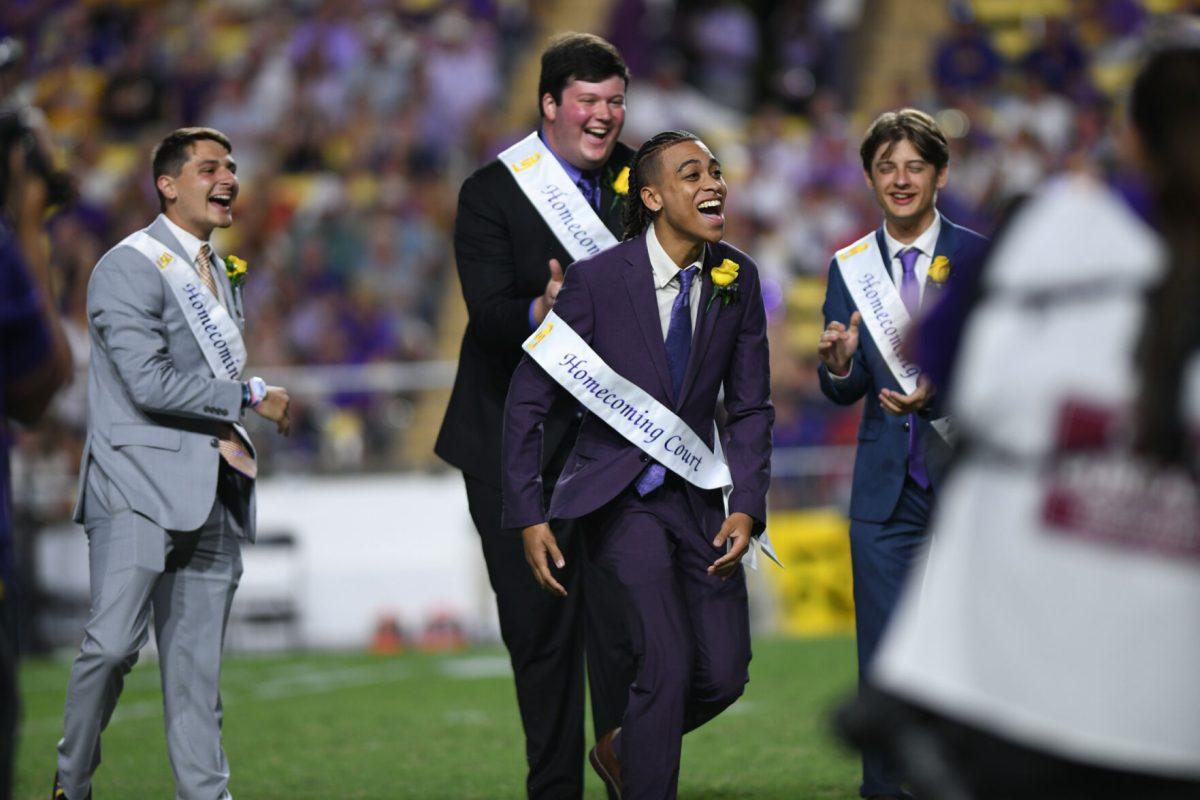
876, 286
522, 219
643, 480
1049, 647
35, 361
166, 482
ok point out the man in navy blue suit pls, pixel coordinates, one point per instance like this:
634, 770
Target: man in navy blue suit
876, 287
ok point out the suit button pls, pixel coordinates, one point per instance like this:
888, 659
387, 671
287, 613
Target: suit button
213, 442
643, 458
906, 425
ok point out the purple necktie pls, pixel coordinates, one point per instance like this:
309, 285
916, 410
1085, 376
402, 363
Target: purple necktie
910, 293
679, 346
590, 190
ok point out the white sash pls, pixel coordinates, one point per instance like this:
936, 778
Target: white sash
632, 412
865, 273
559, 201
215, 331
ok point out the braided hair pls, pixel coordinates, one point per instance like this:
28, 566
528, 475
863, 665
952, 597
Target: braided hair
643, 169
1165, 110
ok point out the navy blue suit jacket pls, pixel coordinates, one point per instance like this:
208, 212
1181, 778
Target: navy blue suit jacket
882, 460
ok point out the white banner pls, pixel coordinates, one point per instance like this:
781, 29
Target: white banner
632, 412
865, 273
215, 331
568, 213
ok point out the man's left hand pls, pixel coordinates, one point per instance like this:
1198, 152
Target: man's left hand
736, 530
275, 407
901, 405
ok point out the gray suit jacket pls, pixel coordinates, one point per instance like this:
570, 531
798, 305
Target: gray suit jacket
155, 409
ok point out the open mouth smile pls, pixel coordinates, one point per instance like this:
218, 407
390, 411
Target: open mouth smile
596, 134
713, 210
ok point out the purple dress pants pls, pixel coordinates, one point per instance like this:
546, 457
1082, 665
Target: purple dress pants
690, 630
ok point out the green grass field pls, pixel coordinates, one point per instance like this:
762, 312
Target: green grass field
432, 726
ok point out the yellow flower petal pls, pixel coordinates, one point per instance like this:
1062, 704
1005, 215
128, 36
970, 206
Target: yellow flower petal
939, 270
620, 184
725, 274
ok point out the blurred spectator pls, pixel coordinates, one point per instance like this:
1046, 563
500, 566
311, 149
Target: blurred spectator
1058, 59
35, 359
966, 61
722, 40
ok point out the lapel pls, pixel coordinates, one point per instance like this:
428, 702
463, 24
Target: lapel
706, 319
611, 205
639, 282
225, 288
947, 245
159, 230
881, 240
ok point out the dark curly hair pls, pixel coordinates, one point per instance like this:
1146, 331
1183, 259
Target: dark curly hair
642, 170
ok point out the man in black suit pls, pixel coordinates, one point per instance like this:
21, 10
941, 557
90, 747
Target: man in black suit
545, 202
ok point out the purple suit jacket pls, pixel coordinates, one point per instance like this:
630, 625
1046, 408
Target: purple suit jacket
609, 301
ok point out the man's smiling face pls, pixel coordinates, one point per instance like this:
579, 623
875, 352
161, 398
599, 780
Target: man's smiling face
687, 190
584, 127
201, 196
905, 184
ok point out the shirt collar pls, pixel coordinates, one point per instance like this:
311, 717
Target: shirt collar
664, 268
189, 243
926, 242
573, 172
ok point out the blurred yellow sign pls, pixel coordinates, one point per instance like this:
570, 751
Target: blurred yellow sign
815, 592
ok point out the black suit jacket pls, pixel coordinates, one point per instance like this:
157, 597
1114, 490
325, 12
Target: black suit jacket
503, 246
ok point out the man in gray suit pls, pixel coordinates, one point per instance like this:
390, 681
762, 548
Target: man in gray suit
166, 486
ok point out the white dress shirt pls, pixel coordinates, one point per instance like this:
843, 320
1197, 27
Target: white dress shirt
925, 243
667, 283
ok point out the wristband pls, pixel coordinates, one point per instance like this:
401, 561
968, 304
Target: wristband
258, 390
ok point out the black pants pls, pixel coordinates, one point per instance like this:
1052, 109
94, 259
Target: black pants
547, 638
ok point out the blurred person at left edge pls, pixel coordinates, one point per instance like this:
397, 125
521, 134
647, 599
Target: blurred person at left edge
35, 360
547, 201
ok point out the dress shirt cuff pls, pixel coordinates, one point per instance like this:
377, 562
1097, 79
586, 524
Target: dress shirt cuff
532, 319
835, 377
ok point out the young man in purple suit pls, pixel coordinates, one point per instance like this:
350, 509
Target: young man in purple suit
645, 336
876, 286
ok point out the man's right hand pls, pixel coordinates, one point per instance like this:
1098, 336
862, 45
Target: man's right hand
838, 344
545, 304
540, 549
275, 408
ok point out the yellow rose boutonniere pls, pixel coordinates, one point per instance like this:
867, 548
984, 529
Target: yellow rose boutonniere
235, 268
725, 285
620, 184
939, 270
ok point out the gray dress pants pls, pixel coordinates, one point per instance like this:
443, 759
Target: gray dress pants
188, 578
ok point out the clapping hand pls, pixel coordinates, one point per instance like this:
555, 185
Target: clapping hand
545, 304
838, 344
899, 404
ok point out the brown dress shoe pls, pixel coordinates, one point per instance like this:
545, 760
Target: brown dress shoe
603, 759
